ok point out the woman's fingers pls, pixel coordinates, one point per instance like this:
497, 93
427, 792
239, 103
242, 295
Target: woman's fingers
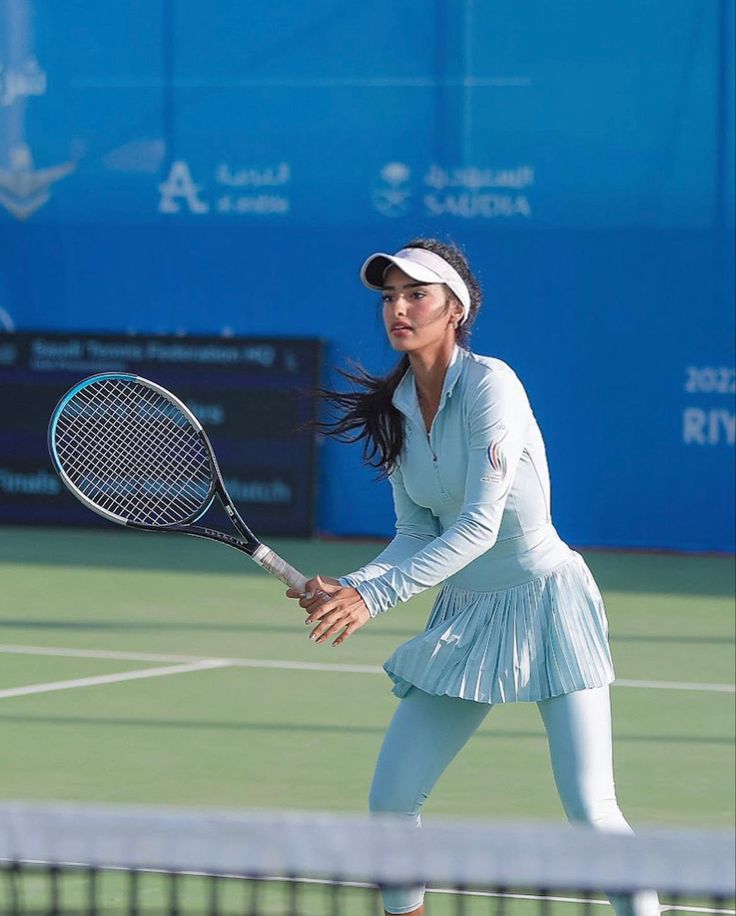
348, 631
312, 602
337, 614
319, 608
340, 623
315, 591
325, 624
330, 620
332, 607
339, 626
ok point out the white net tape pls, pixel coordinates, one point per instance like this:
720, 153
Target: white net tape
379, 849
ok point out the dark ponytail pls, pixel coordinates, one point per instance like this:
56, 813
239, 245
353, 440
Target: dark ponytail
367, 412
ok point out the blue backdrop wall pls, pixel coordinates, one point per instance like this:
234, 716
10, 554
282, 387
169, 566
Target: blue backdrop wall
177, 167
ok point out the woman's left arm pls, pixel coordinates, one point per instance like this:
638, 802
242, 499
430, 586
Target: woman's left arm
499, 420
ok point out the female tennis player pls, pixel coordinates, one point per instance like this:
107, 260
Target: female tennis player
518, 617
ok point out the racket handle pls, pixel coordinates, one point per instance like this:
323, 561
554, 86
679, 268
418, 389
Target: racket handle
273, 564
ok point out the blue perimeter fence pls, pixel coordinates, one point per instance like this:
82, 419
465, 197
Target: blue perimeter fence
171, 168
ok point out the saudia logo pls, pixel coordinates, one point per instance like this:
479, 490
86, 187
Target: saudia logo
468, 192
24, 189
391, 197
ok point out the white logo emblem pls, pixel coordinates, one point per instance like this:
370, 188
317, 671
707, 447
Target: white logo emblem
6, 322
28, 79
250, 191
391, 198
23, 189
180, 184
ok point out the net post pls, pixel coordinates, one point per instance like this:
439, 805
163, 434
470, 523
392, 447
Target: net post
173, 894
13, 872
254, 885
133, 892
335, 897
92, 890
55, 901
293, 895
213, 887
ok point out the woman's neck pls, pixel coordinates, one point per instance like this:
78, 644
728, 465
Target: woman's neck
429, 372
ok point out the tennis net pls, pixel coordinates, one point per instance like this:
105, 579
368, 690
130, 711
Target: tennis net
73, 859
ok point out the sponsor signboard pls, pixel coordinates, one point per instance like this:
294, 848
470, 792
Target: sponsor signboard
251, 394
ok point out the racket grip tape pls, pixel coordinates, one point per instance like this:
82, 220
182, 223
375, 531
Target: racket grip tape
272, 563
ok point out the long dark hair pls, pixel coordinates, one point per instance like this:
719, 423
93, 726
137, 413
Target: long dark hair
367, 413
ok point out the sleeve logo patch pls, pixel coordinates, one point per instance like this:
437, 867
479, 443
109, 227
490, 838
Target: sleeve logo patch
496, 459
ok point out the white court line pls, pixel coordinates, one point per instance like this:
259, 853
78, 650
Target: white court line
581, 900
151, 657
677, 685
113, 678
97, 653
304, 666
455, 892
695, 909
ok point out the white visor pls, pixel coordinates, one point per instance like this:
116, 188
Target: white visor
419, 264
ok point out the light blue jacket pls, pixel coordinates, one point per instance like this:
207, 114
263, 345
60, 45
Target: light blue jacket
472, 496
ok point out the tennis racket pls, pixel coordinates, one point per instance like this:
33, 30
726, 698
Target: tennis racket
135, 454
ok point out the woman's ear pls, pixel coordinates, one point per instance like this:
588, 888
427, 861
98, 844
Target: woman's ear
457, 311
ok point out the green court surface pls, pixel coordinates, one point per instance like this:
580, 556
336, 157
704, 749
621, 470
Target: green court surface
283, 723
274, 898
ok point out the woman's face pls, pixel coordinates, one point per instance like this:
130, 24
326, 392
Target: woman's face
417, 315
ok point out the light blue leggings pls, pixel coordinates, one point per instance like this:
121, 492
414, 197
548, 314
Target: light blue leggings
427, 732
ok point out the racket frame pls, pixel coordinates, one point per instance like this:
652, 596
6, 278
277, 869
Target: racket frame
248, 543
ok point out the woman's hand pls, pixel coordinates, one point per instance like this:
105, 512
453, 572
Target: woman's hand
339, 610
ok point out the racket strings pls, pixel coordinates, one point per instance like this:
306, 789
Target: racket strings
116, 477
121, 447
120, 477
98, 490
133, 453
168, 428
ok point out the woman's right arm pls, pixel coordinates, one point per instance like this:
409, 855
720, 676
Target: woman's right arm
415, 528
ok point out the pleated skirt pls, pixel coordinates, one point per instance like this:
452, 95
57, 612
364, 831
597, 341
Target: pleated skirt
530, 642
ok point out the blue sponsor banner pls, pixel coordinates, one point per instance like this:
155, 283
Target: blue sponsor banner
169, 169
